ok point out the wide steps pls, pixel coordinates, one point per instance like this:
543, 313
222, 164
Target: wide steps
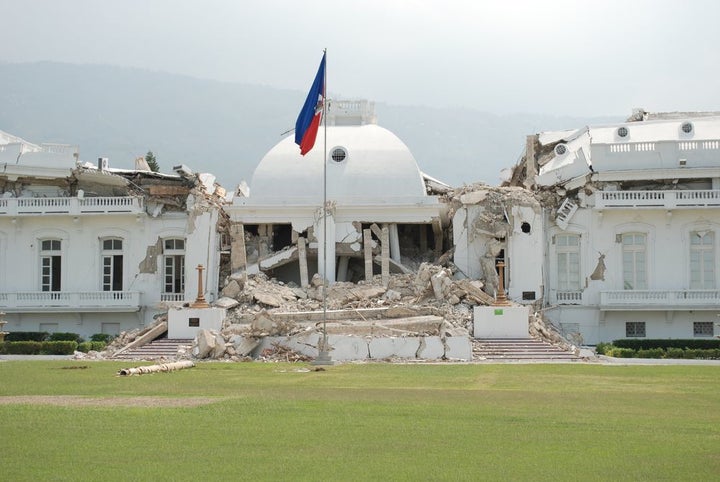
519, 349
160, 348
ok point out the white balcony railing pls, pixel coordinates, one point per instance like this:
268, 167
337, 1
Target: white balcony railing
172, 297
72, 206
660, 300
569, 297
657, 199
63, 301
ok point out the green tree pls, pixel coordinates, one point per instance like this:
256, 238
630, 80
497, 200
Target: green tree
152, 161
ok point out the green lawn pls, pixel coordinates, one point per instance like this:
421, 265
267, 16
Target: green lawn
361, 422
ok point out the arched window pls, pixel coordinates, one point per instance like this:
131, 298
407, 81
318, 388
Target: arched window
50, 264
634, 260
173, 269
112, 264
702, 260
567, 247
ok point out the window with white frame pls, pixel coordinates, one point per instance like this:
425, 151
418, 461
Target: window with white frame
702, 260
567, 248
635, 329
174, 266
112, 264
50, 264
703, 328
634, 259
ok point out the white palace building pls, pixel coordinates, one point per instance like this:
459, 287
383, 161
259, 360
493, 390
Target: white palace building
610, 231
88, 249
631, 247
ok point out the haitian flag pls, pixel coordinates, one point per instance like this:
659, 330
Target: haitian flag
308, 121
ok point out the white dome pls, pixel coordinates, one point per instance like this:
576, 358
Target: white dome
378, 168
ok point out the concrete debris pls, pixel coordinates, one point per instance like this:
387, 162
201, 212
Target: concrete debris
541, 329
243, 345
164, 367
127, 340
232, 289
204, 344
278, 352
226, 302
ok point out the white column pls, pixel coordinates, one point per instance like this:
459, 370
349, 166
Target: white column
394, 242
302, 261
385, 254
330, 241
367, 247
342, 268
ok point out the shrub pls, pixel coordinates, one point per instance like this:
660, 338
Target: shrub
643, 343
674, 353
59, 347
650, 353
603, 348
87, 346
621, 352
23, 347
60, 336
26, 336
103, 337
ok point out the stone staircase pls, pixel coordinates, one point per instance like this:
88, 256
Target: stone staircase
166, 348
518, 349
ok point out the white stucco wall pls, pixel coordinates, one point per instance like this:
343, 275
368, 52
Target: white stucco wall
668, 268
525, 254
81, 265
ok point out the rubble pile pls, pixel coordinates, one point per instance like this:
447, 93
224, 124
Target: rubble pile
125, 338
432, 290
282, 353
541, 329
496, 202
430, 302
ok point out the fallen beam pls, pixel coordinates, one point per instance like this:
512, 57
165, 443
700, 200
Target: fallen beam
144, 339
165, 367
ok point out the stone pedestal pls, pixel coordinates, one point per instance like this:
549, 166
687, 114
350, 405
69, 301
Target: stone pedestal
186, 322
501, 322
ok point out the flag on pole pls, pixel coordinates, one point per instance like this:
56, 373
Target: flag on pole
308, 121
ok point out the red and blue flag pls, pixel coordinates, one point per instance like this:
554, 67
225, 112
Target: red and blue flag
308, 122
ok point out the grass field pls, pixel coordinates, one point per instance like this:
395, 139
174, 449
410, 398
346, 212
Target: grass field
255, 421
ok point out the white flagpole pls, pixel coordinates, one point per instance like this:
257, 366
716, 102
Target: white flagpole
323, 357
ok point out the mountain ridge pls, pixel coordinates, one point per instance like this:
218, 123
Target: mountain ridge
225, 128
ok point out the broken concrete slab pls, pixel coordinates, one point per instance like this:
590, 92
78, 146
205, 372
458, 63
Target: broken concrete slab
268, 299
428, 324
458, 348
243, 345
264, 324
219, 349
398, 347
226, 303
346, 348
232, 289
304, 343
431, 348
287, 255
473, 197
204, 344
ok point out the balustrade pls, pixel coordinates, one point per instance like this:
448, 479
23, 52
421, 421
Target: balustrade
70, 205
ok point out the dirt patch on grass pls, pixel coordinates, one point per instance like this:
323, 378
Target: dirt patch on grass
75, 401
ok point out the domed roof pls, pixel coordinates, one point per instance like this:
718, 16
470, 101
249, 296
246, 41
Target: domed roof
365, 164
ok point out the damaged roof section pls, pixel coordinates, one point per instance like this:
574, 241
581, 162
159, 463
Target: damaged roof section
53, 170
663, 142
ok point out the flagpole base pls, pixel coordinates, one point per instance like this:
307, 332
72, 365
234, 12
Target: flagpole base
323, 359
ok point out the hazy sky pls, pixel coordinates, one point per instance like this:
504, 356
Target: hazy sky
583, 58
